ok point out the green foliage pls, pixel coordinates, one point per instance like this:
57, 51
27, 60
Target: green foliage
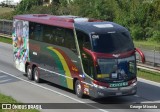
156, 36
26, 5
140, 17
9, 99
136, 32
90, 8
40, 10
7, 15
6, 40
153, 76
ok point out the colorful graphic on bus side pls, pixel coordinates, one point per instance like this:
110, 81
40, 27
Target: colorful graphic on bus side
20, 43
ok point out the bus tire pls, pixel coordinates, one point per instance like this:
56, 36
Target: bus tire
36, 75
78, 89
29, 72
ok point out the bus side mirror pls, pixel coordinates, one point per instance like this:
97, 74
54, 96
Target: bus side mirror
141, 54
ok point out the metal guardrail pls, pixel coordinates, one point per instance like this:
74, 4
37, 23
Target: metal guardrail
149, 68
152, 57
5, 35
6, 27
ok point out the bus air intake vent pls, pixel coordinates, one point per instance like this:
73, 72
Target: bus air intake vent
40, 15
62, 19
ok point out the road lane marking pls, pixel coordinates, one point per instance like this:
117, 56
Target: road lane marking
3, 76
149, 82
3, 81
55, 91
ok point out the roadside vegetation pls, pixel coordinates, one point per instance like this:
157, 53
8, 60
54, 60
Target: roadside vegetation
6, 40
141, 17
153, 76
5, 10
149, 45
6, 13
8, 99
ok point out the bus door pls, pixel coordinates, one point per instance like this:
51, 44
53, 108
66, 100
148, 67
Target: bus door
87, 61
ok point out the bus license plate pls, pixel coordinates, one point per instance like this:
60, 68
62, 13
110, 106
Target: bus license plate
113, 85
119, 93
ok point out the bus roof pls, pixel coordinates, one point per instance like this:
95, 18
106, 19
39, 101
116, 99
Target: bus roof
46, 19
100, 27
69, 21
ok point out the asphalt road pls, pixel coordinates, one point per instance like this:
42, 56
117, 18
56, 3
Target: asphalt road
15, 84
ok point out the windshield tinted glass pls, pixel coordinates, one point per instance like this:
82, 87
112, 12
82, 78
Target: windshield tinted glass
112, 42
116, 69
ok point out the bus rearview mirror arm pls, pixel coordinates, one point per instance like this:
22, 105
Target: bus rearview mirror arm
141, 54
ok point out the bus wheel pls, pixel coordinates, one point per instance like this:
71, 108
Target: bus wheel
78, 89
36, 75
29, 73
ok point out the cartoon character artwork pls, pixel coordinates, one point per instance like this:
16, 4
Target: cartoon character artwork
20, 43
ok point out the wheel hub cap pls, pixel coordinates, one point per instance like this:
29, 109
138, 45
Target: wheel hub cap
78, 88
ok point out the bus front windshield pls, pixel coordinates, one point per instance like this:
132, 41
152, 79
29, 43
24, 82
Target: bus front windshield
116, 69
112, 42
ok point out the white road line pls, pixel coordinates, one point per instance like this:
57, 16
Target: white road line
149, 82
3, 81
54, 91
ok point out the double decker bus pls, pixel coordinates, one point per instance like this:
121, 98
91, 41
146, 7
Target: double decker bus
91, 57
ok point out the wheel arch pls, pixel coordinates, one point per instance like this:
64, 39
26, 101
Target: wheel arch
74, 81
27, 63
33, 66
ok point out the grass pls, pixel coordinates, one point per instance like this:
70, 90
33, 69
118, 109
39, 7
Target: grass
8, 99
147, 45
5, 10
153, 76
6, 40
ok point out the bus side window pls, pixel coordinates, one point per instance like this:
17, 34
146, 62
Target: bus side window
70, 41
31, 30
53, 33
47, 36
40, 32
36, 31
84, 40
59, 36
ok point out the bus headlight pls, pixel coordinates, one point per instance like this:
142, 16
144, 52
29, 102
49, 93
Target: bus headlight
101, 87
98, 86
95, 85
134, 84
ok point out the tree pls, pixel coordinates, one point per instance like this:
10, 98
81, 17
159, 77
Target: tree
26, 5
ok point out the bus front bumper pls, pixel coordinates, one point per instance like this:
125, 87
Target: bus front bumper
101, 91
